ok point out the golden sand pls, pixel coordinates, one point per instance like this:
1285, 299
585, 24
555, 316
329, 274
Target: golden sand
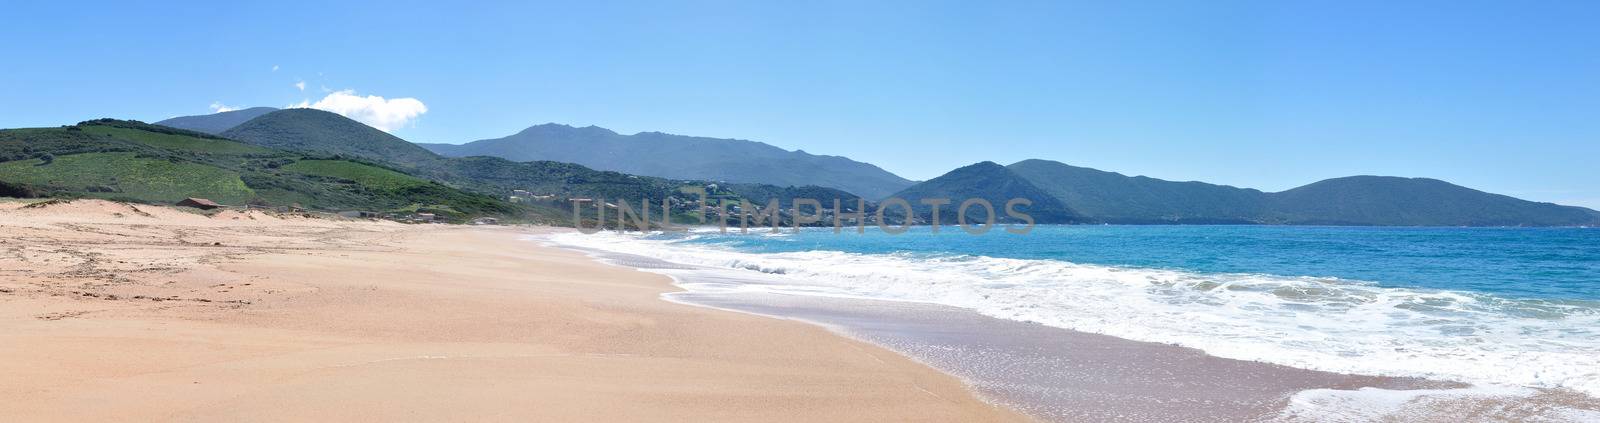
139, 313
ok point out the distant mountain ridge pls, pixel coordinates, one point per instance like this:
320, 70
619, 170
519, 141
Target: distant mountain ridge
215, 123
1061, 193
1108, 197
683, 157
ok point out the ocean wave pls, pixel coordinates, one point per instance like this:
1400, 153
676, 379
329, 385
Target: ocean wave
1315, 323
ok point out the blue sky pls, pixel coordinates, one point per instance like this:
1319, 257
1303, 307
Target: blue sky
1499, 96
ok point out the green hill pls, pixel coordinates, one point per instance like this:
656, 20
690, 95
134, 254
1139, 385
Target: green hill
312, 130
134, 161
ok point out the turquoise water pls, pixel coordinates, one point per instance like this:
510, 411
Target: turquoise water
1550, 263
1501, 306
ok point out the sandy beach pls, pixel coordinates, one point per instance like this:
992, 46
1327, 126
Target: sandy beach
139, 313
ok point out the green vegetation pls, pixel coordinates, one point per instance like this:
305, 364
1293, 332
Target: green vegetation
33, 143
563, 180
172, 141
370, 176
760, 194
389, 190
126, 175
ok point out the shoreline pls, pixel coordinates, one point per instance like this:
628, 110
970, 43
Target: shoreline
1020, 364
121, 312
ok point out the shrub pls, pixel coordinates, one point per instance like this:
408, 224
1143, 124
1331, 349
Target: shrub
8, 189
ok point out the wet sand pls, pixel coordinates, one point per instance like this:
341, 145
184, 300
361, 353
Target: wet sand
1063, 375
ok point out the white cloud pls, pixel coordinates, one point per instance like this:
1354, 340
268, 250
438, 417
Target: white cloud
218, 107
301, 85
375, 111
274, 68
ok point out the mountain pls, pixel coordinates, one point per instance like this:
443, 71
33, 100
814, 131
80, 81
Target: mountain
315, 130
683, 157
988, 181
215, 123
1358, 200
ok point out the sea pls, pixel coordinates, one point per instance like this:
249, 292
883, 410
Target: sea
1493, 308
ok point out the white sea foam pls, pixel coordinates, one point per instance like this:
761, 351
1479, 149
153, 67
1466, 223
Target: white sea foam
1314, 323
1374, 404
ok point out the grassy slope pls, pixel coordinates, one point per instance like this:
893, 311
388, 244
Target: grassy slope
125, 175
177, 142
408, 193
369, 176
29, 143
